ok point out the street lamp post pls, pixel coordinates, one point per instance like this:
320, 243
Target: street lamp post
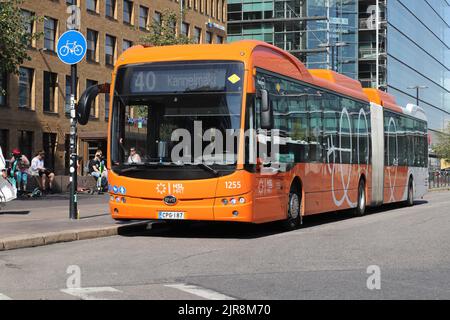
418, 88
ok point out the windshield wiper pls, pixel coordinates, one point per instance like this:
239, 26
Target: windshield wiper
207, 168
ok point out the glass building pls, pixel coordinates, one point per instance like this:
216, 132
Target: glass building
392, 45
405, 44
321, 33
418, 54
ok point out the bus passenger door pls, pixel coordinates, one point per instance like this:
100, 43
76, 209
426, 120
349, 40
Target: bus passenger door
270, 197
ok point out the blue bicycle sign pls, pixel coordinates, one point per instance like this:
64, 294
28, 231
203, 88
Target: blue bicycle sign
71, 47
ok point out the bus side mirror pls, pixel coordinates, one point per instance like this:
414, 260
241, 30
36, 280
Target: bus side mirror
83, 110
266, 116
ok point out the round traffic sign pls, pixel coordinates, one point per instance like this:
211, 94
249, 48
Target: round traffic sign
71, 47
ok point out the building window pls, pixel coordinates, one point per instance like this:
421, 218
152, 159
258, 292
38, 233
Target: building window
143, 17
49, 146
110, 50
3, 88
71, 2
50, 80
219, 39
208, 38
29, 24
127, 11
157, 18
90, 83
50, 33
25, 87
197, 35
91, 5
107, 106
25, 143
69, 93
4, 141
185, 29
126, 44
92, 37
111, 8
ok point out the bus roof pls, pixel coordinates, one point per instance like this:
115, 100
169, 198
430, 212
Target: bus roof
383, 99
338, 82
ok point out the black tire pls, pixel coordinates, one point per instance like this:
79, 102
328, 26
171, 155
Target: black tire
294, 216
410, 198
360, 209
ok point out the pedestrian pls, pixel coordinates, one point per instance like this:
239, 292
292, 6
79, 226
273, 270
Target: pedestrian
46, 176
18, 170
97, 170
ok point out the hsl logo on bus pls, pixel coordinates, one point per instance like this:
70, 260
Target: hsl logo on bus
170, 200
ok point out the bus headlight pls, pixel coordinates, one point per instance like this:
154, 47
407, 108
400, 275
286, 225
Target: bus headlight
233, 201
241, 200
225, 202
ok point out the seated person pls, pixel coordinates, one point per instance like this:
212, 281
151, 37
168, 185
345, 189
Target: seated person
97, 170
134, 156
18, 169
38, 169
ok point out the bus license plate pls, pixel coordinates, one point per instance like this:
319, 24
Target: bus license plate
171, 215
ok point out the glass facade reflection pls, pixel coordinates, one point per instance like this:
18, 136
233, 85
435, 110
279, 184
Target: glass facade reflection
340, 28
418, 54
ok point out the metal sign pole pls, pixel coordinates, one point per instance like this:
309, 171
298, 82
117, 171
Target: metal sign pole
73, 211
71, 49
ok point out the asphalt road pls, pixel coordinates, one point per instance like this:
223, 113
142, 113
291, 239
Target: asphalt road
327, 259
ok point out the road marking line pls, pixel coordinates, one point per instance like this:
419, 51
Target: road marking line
4, 297
201, 292
86, 293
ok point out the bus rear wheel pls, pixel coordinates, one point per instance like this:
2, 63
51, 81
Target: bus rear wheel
294, 216
360, 209
410, 199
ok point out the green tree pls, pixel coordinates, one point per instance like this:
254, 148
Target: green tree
14, 36
442, 147
163, 33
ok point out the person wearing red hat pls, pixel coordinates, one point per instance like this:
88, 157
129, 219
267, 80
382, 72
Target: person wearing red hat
18, 169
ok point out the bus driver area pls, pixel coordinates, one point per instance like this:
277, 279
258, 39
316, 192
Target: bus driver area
303, 141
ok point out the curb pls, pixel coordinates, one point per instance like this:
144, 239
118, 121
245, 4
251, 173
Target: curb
43, 239
439, 189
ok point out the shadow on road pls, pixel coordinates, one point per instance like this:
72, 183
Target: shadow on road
212, 230
4, 213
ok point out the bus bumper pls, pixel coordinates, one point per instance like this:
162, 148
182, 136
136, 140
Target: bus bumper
200, 209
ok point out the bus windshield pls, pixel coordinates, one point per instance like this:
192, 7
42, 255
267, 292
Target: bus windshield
173, 115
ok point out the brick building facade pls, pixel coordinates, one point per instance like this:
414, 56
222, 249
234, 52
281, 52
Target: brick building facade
34, 112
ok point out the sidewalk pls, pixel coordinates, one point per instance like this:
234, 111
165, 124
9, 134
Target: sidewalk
42, 221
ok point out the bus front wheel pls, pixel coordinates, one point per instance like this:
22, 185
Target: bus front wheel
294, 216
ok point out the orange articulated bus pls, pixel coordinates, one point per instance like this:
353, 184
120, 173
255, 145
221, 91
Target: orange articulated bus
244, 132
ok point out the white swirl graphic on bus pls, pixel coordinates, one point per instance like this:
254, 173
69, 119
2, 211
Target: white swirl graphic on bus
394, 162
334, 167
